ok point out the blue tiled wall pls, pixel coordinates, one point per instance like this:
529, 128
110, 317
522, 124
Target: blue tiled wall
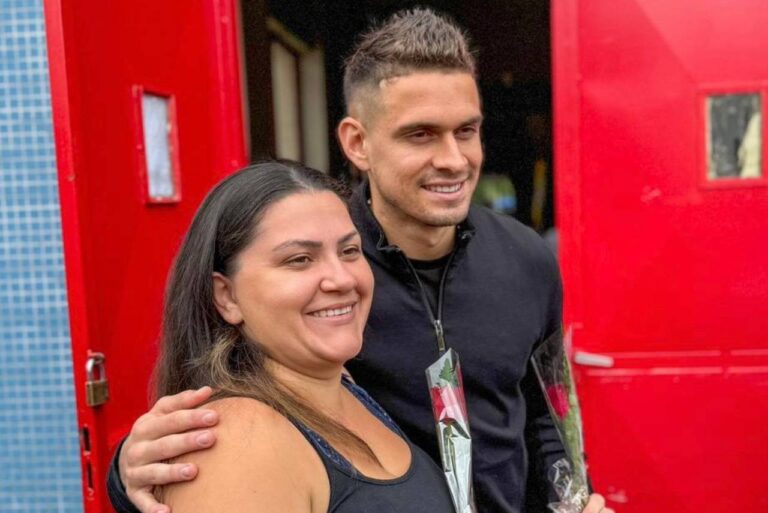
39, 460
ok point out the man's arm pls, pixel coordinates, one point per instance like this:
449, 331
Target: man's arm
170, 429
543, 443
541, 437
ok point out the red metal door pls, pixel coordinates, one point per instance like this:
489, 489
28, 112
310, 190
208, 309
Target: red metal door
665, 261
109, 61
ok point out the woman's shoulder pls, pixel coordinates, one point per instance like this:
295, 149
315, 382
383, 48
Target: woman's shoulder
254, 433
249, 415
246, 424
258, 453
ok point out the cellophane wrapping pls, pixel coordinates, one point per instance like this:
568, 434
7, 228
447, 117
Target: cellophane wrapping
568, 475
452, 424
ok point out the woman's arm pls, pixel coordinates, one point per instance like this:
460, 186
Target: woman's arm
260, 463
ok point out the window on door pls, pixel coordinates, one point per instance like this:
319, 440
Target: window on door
298, 96
734, 136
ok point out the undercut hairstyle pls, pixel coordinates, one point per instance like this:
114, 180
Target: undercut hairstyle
408, 41
198, 347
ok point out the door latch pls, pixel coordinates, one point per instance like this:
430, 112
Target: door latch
96, 385
592, 359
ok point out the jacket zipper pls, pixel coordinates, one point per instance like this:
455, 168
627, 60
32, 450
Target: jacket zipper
437, 323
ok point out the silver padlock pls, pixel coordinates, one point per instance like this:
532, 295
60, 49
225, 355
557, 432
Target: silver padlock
96, 387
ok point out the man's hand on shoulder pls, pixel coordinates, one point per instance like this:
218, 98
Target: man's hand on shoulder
171, 428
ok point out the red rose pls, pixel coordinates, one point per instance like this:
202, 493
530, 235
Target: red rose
448, 404
437, 402
558, 398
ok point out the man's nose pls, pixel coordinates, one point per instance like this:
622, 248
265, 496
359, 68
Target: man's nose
449, 155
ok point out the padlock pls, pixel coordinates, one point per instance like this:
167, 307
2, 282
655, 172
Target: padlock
96, 388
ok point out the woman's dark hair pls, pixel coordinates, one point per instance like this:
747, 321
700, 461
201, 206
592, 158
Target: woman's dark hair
198, 346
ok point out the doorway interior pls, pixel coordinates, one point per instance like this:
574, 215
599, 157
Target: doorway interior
293, 110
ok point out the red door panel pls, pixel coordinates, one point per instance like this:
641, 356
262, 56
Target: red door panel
665, 271
118, 246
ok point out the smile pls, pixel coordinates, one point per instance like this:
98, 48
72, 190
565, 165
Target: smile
333, 312
444, 188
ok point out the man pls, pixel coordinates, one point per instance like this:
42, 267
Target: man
447, 274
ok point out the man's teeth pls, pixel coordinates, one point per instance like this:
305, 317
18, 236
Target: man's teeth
444, 188
333, 312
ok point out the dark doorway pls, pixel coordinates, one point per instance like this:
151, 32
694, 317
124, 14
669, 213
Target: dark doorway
512, 39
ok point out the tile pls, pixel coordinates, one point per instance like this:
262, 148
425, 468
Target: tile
39, 456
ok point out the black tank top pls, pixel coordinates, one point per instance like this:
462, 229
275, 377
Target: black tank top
421, 489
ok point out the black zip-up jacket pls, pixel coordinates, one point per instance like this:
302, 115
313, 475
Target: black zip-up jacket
500, 296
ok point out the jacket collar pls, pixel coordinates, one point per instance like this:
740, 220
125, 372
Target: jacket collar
374, 239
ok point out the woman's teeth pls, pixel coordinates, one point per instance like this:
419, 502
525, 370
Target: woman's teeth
333, 312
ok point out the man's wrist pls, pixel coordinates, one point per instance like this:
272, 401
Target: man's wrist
115, 486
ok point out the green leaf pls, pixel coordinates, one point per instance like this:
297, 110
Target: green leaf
447, 374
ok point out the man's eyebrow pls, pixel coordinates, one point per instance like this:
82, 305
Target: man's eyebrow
474, 120
419, 125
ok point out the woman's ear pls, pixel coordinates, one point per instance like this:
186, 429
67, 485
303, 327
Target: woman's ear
352, 135
224, 299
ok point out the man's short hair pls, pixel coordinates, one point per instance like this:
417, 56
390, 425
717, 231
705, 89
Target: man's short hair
408, 41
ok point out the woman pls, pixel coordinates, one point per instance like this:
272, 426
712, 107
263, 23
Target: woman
268, 298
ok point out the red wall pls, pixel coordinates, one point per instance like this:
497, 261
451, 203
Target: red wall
665, 271
118, 247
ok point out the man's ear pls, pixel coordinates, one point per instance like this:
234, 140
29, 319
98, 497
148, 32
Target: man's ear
352, 136
224, 299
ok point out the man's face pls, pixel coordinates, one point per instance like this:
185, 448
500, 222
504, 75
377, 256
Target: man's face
423, 148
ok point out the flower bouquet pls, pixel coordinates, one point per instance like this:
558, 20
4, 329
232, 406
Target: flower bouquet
568, 475
451, 420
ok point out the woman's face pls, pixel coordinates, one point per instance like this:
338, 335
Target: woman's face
302, 288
